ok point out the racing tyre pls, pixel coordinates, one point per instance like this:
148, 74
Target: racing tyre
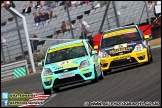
105, 72
149, 56
151, 59
56, 89
96, 77
47, 91
101, 76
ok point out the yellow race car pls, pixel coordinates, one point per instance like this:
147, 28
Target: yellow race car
123, 46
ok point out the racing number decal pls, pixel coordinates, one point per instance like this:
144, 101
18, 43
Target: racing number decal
65, 64
68, 64
120, 46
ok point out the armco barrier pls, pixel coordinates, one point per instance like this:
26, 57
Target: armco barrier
14, 70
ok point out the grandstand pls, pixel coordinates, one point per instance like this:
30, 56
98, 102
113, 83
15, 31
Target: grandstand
128, 12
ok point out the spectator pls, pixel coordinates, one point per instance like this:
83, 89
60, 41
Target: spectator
86, 2
4, 5
63, 27
42, 3
34, 43
51, 14
48, 3
3, 41
12, 4
81, 3
26, 10
150, 6
68, 5
38, 5
156, 3
45, 16
64, 5
85, 28
96, 4
45, 9
8, 2
33, 6
75, 3
83, 22
41, 16
68, 25
84, 34
37, 20
53, 4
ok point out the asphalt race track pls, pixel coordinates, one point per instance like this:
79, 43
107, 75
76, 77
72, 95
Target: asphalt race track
138, 83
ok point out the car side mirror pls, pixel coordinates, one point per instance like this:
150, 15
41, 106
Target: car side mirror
147, 37
96, 47
40, 64
94, 52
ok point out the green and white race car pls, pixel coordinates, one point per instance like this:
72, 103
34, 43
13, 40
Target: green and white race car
69, 63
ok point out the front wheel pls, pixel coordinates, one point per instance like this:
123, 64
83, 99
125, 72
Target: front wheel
151, 59
96, 77
47, 91
101, 76
149, 54
105, 72
56, 89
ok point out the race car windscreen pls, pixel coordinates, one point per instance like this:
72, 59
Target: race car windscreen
119, 37
65, 54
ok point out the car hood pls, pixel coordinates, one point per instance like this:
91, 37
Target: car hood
114, 49
65, 64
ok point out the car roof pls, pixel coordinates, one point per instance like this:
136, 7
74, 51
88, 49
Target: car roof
66, 43
120, 28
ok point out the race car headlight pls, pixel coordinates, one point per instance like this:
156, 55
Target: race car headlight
103, 54
138, 47
47, 71
84, 63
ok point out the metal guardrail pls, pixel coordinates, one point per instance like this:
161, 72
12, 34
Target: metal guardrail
7, 70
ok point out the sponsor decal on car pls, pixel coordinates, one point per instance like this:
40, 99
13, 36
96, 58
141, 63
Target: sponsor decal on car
120, 50
48, 77
119, 32
122, 57
64, 47
84, 70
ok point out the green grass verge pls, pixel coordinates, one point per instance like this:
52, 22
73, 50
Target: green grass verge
14, 97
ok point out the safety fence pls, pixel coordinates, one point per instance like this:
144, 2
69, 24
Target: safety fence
14, 70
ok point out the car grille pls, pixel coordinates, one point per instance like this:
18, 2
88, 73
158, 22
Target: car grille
119, 63
67, 80
124, 52
65, 70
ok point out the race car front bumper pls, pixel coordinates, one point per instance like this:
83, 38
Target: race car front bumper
81, 75
138, 57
